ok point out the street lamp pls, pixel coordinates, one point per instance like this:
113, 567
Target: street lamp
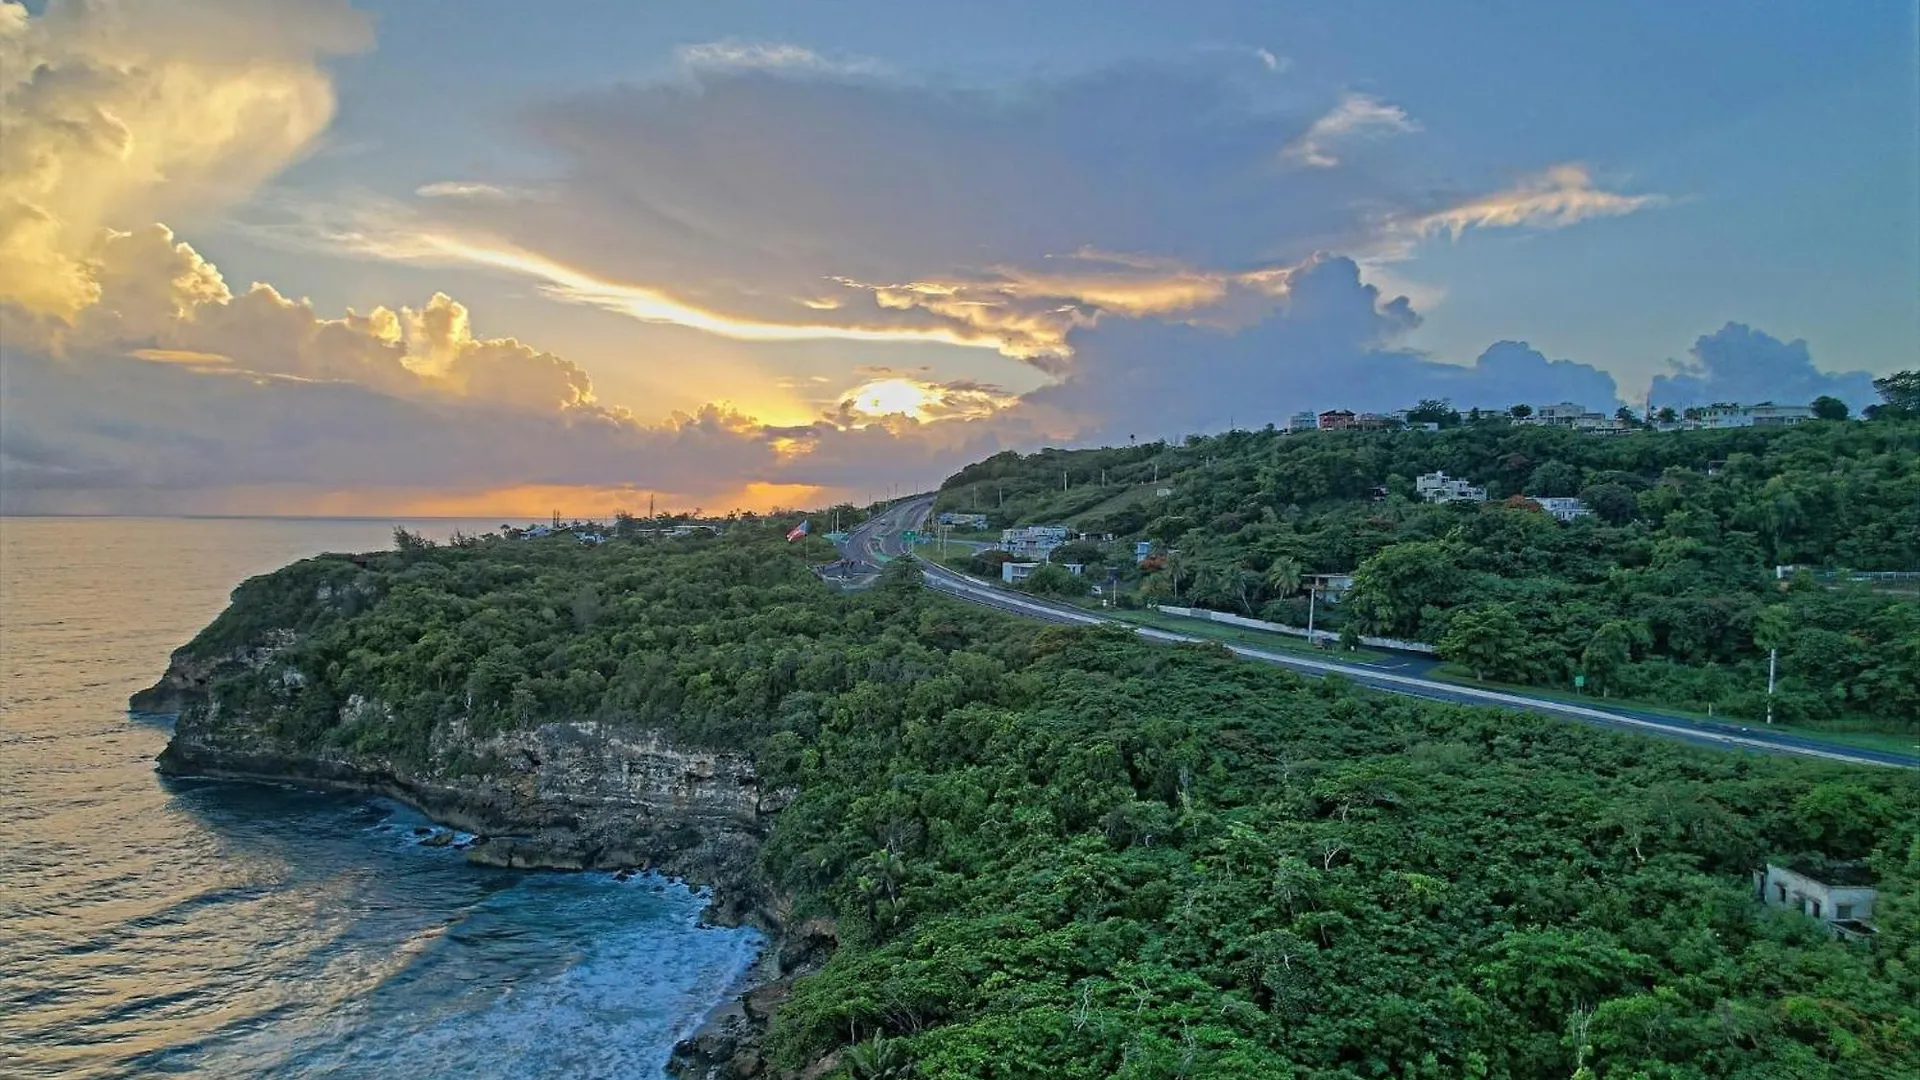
1773, 667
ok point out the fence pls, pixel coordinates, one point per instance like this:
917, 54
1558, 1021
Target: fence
1296, 631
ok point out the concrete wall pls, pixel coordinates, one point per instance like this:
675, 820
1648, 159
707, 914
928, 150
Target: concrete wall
1802, 892
1296, 631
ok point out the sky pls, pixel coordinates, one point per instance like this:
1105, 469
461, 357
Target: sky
466, 257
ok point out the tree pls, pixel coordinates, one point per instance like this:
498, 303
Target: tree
1488, 640
1607, 654
1899, 396
1666, 415
1554, 479
410, 543
1391, 589
1520, 412
1284, 575
1054, 580
1616, 504
1828, 407
1434, 411
879, 1058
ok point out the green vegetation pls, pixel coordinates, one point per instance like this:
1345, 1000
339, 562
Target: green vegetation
1666, 593
1064, 853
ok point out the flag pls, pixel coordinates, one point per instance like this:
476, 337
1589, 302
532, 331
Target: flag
797, 532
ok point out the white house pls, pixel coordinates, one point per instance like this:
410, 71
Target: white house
1841, 896
1438, 487
1033, 541
1562, 509
1303, 421
1765, 414
1015, 572
964, 521
1563, 414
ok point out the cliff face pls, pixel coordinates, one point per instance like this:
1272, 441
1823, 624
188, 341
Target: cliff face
568, 794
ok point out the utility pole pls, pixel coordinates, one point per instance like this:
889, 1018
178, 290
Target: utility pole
1063, 479
1313, 594
1773, 667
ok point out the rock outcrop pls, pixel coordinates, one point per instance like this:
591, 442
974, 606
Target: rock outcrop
565, 795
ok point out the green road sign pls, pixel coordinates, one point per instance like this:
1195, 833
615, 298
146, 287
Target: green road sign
1579, 682
910, 536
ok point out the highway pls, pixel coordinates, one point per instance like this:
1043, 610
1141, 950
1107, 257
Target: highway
879, 541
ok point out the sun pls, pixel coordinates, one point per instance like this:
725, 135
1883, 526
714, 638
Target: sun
884, 397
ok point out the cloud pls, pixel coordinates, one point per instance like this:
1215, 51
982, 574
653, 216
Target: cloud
468, 189
1561, 196
1357, 117
114, 114
1129, 232
1333, 341
747, 201
1740, 365
173, 393
764, 198
771, 56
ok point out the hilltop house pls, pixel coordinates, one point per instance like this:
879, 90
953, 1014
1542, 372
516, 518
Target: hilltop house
1439, 487
1335, 420
1302, 421
1561, 509
1765, 414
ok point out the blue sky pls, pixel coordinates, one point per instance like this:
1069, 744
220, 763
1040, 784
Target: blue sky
871, 239
1786, 131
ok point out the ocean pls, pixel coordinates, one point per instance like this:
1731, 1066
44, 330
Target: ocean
155, 927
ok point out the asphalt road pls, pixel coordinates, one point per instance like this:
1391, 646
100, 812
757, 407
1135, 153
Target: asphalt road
879, 541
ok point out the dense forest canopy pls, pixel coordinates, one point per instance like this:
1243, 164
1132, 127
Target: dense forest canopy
1672, 590
1065, 853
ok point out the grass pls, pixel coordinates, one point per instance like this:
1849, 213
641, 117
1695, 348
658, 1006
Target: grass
1238, 635
1908, 745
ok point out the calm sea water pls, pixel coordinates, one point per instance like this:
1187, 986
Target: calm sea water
155, 927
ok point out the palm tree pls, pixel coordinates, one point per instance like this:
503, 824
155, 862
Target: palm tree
878, 1059
1284, 575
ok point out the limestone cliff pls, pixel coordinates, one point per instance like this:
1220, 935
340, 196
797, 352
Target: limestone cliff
566, 794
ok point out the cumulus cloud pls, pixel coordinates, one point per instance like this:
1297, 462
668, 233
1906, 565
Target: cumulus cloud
113, 114
1333, 341
1130, 232
171, 390
1740, 365
1357, 117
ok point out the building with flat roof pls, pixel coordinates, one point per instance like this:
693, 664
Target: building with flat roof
1335, 420
1765, 414
1561, 509
1439, 487
1303, 421
1838, 894
1033, 541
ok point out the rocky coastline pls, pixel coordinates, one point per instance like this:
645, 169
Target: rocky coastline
565, 795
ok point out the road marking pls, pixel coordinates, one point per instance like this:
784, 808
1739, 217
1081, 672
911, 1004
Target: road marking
1403, 684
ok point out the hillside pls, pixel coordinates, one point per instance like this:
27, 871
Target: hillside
1068, 853
1669, 591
